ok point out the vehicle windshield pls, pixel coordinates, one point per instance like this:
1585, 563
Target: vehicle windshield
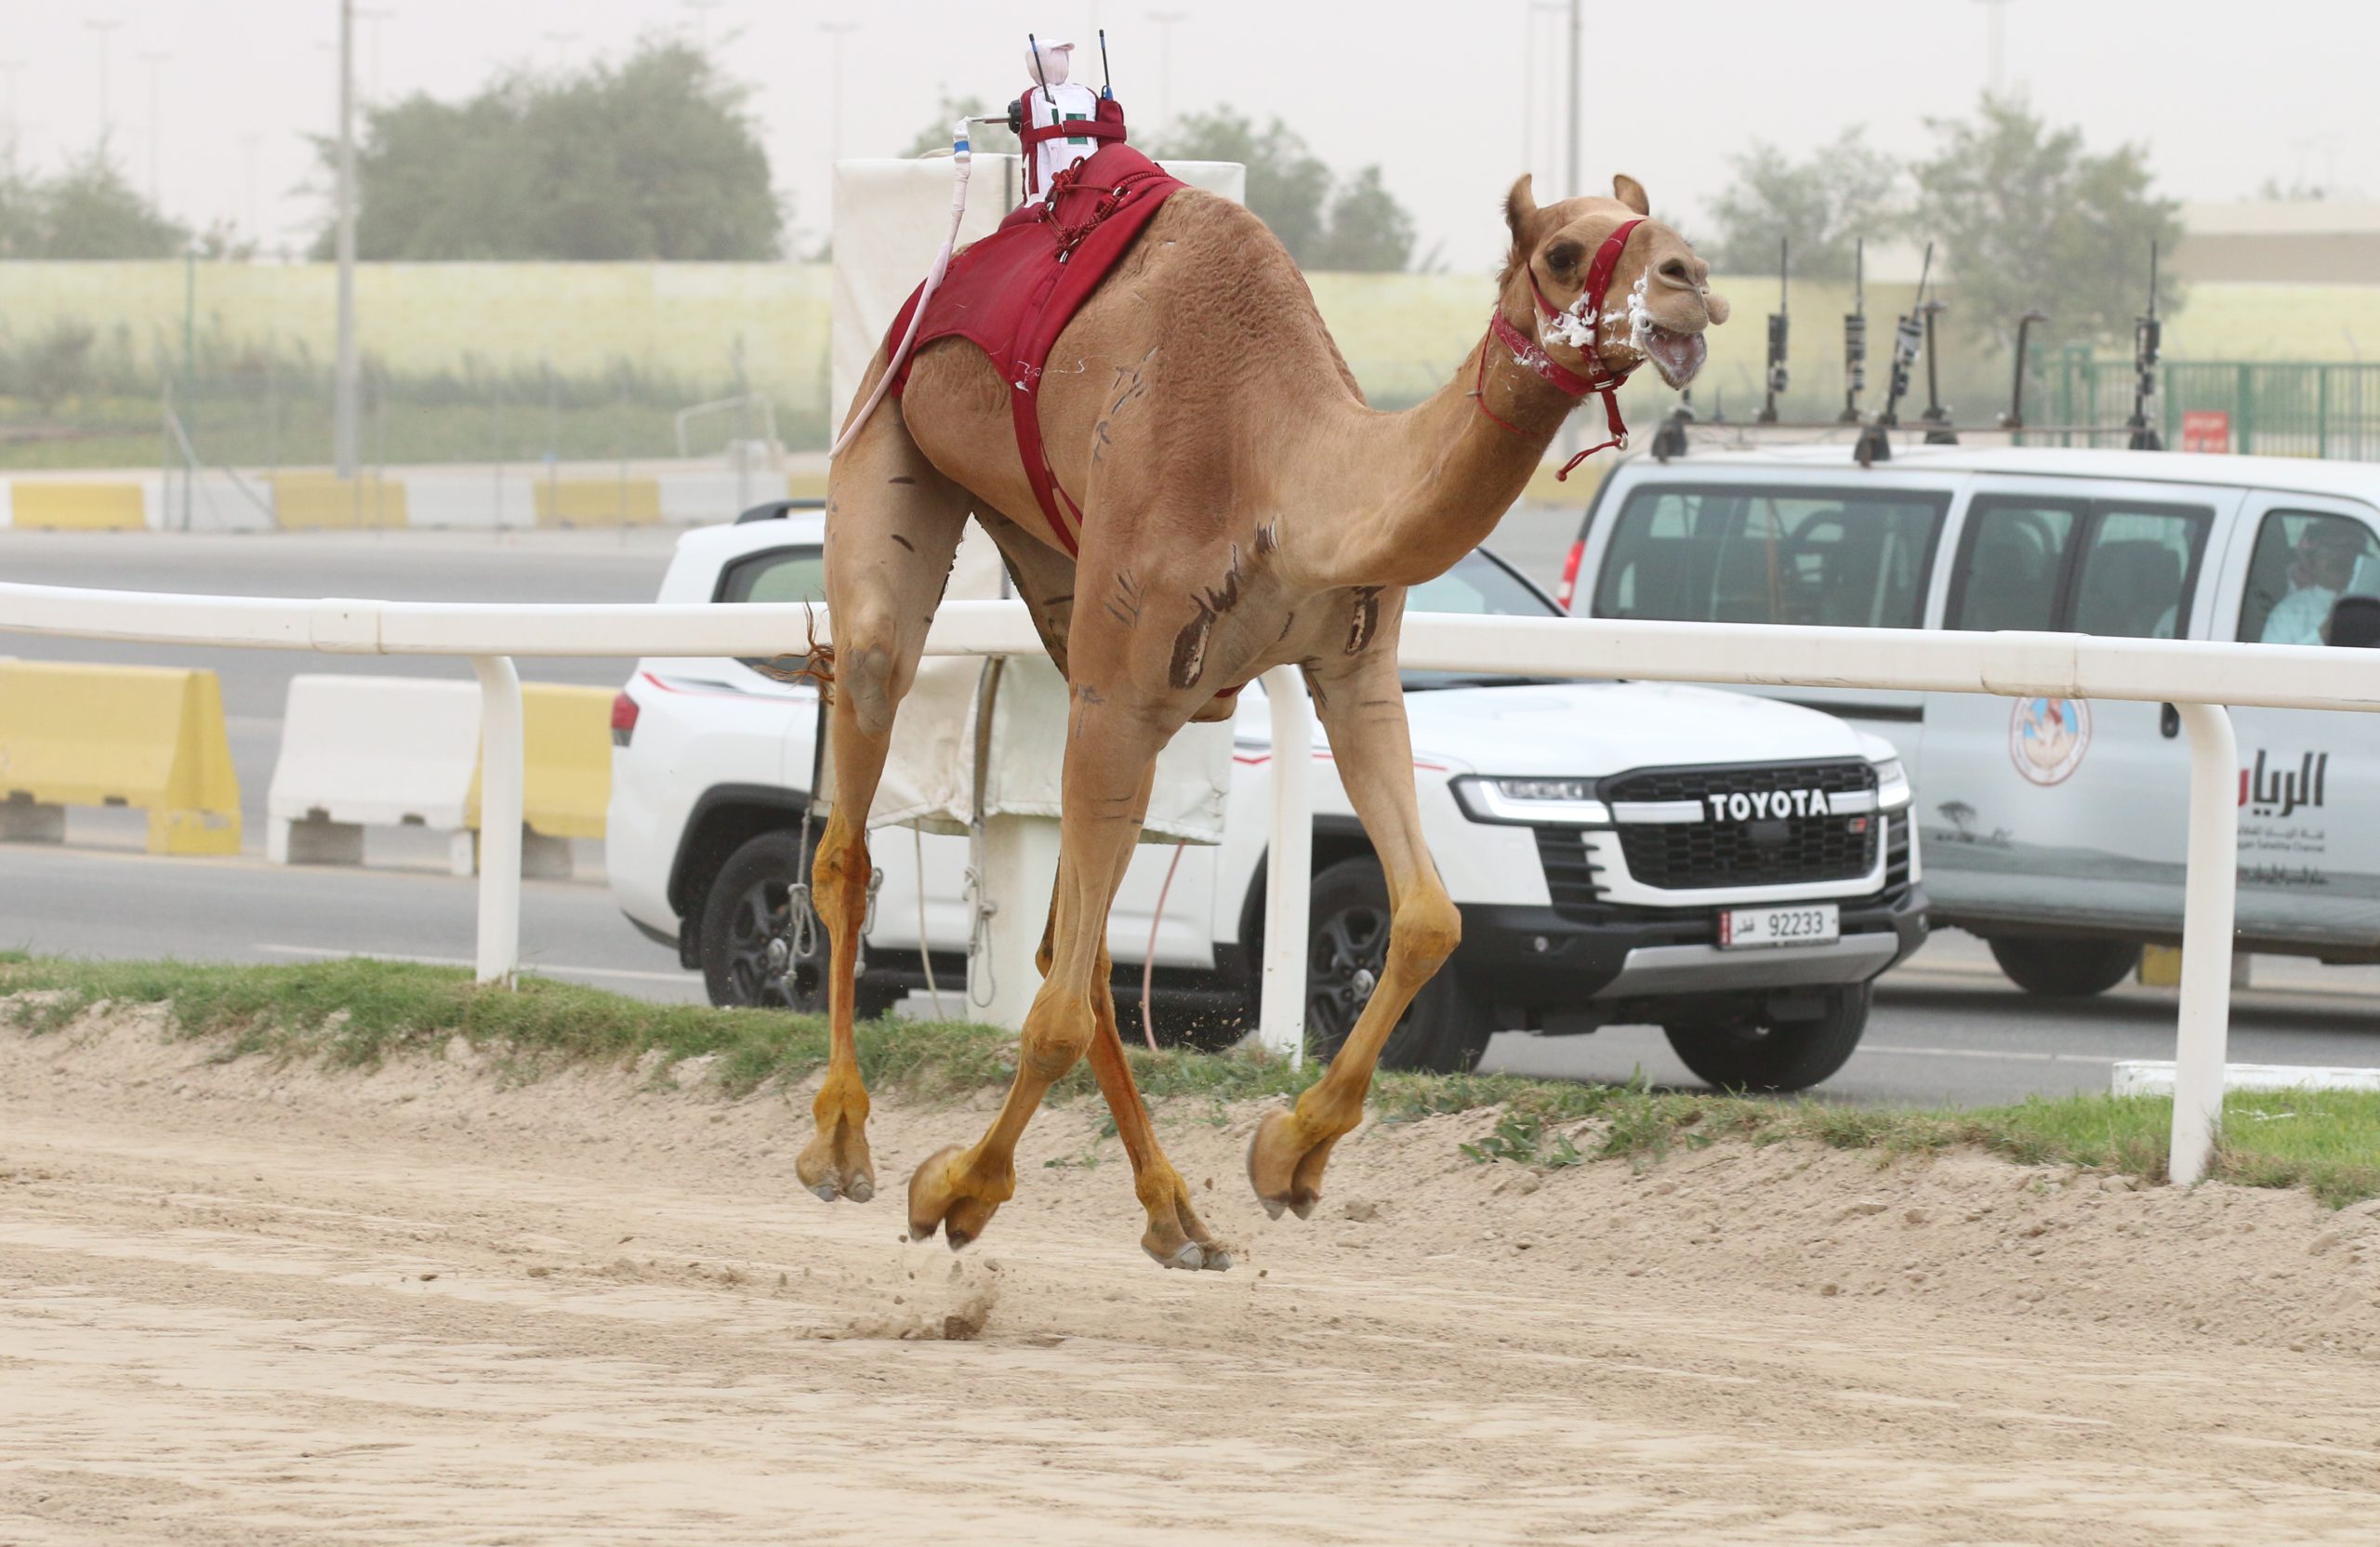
1823, 558
1479, 585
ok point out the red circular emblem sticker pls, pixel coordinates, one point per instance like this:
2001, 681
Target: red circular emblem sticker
2047, 738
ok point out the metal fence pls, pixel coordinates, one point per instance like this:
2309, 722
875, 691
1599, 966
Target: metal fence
2279, 408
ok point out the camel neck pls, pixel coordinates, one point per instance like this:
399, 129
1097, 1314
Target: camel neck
1409, 494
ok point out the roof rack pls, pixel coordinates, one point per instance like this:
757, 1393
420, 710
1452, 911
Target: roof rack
777, 510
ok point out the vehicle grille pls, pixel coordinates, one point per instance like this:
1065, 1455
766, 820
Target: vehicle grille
1762, 851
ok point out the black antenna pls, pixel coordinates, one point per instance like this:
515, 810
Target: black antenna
1107, 82
1937, 417
1909, 334
1854, 335
2147, 336
2015, 417
1776, 377
1034, 44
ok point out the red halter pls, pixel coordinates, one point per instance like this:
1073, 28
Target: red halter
1532, 356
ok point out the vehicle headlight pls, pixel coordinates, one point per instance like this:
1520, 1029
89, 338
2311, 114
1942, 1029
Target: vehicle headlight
1531, 802
1892, 784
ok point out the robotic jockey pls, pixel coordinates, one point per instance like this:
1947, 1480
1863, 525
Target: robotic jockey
1060, 121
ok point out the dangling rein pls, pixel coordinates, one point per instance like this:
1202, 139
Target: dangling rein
1532, 356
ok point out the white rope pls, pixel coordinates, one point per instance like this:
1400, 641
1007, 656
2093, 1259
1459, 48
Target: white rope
962, 160
925, 955
1148, 962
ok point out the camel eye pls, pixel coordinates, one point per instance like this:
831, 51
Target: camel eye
1675, 269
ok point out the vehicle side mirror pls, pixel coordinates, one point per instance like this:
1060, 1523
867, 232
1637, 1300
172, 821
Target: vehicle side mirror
2354, 623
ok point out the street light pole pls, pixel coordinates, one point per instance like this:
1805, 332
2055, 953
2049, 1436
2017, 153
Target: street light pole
1578, 53
8, 69
836, 31
1165, 20
1995, 46
343, 380
156, 133
106, 31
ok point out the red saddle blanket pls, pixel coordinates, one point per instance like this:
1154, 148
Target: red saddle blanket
1012, 293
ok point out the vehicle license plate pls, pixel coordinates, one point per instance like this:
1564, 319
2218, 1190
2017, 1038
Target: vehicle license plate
1800, 924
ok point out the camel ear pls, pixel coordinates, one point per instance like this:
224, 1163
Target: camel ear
1629, 191
1520, 207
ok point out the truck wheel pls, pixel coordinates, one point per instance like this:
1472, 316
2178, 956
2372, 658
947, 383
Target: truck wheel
2065, 968
1788, 1055
745, 953
1444, 1030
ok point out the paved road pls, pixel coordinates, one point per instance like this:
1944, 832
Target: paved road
1946, 1028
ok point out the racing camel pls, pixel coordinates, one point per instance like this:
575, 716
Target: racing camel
1225, 503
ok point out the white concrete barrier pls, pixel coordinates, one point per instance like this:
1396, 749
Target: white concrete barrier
360, 752
498, 497
2152, 1077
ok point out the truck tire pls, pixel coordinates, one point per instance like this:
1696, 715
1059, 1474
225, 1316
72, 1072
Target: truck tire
1444, 1031
745, 910
1786, 1055
2065, 968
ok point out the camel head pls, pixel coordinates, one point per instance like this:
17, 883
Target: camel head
1658, 301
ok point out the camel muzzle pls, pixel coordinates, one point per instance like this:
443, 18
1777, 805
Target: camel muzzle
1678, 356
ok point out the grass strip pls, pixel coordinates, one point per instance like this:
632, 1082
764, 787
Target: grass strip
359, 1012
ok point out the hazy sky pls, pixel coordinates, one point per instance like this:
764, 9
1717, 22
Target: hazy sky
1437, 93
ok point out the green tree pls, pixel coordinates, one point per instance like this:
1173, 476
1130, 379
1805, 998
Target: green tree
87, 211
1822, 205
656, 157
987, 139
2028, 217
1369, 231
1288, 187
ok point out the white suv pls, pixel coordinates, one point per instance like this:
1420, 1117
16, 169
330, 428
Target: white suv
1735, 870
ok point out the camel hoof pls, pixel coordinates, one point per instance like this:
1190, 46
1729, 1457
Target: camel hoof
827, 1192
859, 1189
1284, 1169
943, 1195
1218, 1261
1192, 1256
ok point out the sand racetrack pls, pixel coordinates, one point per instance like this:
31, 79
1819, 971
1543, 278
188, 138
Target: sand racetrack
244, 1303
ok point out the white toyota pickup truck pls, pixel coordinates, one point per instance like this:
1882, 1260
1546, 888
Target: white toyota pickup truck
1735, 870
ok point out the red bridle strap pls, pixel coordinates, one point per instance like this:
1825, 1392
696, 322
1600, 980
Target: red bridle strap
1531, 355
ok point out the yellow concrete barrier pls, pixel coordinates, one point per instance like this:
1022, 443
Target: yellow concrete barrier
149, 738
598, 501
566, 753
316, 501
61, 506
1574, 491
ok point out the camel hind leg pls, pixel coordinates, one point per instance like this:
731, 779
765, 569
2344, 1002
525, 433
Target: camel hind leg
1109, 756
892, 527
1176, 1236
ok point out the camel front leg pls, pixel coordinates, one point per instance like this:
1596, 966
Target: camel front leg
1109, 755
1362, 706
893, 524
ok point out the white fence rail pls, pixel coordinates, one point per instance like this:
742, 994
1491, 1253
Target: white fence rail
2196, 676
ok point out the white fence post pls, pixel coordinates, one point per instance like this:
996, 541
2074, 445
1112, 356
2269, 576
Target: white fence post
2207, 909
1281, 1018
501, 778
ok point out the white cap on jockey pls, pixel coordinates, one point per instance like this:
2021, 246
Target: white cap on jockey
1057, 60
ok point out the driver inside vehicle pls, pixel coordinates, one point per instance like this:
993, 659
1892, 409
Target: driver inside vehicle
2322, 570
